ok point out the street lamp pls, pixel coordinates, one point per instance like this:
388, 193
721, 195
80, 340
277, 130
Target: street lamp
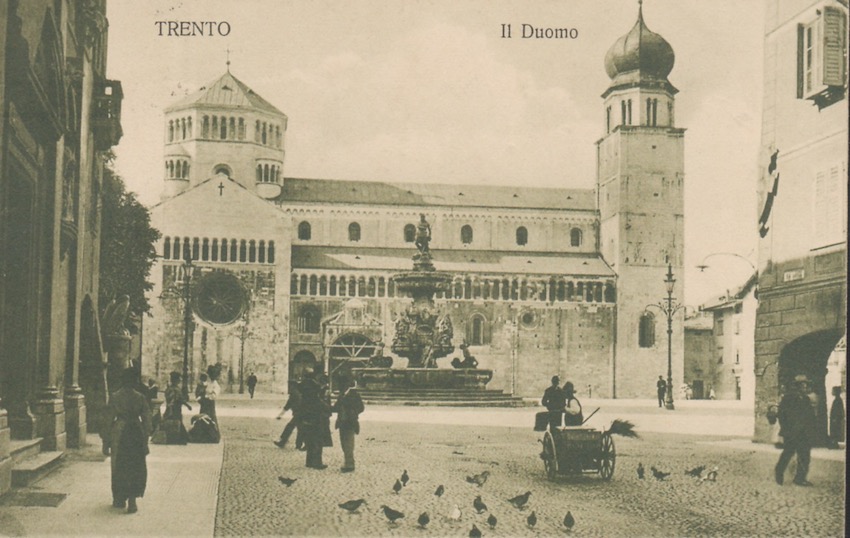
669, 307
188, 322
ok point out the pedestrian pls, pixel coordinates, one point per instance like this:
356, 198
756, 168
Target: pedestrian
153, 389
211, 393
172, 422
201, 388
798, 430
348, 407
572, 407
837, 417
711, 394
554, 402
130, 426
315, 420
661, 387
293, 403
252, 384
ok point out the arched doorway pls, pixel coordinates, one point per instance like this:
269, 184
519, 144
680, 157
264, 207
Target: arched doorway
301, 362
808, 355
348, 351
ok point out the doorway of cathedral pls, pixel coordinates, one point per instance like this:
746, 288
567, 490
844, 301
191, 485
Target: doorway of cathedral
808, 355
302, 361
349, 351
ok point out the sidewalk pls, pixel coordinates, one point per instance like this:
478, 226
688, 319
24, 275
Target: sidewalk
180, 500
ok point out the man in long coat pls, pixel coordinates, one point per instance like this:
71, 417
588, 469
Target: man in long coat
798, 430
315, 420
348, 407
553, 400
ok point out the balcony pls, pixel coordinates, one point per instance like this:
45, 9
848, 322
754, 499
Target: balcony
106, 114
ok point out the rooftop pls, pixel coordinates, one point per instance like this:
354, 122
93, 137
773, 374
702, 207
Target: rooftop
226, 91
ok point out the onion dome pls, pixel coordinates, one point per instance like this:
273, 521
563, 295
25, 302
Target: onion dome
641, 53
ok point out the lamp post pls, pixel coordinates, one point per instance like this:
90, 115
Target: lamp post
669, 307
188, 324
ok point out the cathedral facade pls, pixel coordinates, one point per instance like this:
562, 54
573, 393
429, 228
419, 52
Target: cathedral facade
288, 273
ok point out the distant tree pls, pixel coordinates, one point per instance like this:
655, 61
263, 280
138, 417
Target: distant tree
126, 244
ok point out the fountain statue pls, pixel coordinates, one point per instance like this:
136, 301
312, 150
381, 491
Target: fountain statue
423, 334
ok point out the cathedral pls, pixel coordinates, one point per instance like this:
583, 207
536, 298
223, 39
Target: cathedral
270, 274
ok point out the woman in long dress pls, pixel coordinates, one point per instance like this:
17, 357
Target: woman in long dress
175, 431
130, 427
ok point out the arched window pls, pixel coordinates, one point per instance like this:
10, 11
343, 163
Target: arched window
243, 251
304, 231
252, 251
575, 237
189, 127
257, 131
214, 126
205, 127
271, 252
521, 236
171, 131
466, 234
646, 330
166, 249
259, 173
185, 173
308, 320
196, 249
232, 127
205, 249
222, 169
261, 252
214, 250
183, 129
478, 334
223, 128
354, 232
409, 233
264, 133
241, 135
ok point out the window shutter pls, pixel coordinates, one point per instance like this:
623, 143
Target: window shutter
834, 44
800, 52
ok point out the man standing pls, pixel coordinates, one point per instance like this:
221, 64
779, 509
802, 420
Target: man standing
553, 400
348, 407
315, 413
797, 422
661, 387
293, 403
252, 384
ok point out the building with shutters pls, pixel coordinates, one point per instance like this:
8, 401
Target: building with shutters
546, 281
802, 187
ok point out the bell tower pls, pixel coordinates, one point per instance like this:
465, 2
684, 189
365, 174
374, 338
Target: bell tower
640, 197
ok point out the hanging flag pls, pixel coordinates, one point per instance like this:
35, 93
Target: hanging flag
768, 202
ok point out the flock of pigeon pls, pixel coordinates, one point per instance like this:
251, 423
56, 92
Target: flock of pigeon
696, 472
519, 502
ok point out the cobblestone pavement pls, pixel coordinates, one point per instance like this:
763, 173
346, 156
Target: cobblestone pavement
744, 501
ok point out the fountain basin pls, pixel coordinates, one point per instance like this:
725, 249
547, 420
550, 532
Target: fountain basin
421, 378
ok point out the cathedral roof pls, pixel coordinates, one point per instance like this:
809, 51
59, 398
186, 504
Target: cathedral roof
478, 261
639, 56
226, 91
427, 194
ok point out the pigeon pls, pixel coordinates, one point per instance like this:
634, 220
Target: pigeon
520, 500
479, 505
491, 520
423, 519
352, 505
696, 472
659, 475
569, 521
711, 475
397, 486
391, 514
474, 532
456, 452
531, 519
440, 491
404, 478
478, 479
640, 470
286, 481
455, 514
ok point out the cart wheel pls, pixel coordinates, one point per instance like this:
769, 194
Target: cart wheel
607, 457
550, 459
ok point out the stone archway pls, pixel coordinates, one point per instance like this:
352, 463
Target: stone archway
301, 362
808, 355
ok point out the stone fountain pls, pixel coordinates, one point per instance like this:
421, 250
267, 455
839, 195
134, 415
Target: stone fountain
422, 333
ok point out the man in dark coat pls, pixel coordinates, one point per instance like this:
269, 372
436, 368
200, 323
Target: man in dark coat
293, 403
252, 384
797, 420
315, 420
837, 418
661, 388
129, 429
554, 401
348, 407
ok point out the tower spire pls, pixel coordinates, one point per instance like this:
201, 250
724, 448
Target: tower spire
227, 51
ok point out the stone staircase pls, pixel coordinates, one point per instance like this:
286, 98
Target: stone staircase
441, 397
29, 462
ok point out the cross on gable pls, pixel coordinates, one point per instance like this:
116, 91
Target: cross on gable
220, 188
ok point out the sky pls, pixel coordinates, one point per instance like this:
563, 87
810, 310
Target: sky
428, 91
